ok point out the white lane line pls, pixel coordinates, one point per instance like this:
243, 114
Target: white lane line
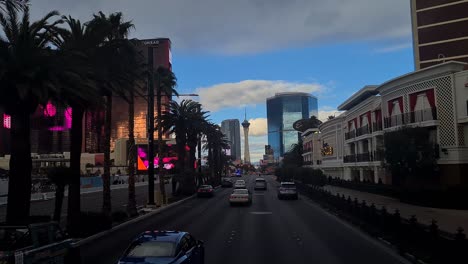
261, 213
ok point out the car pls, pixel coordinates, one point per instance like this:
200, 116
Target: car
164, 247
240, 196
226, 182
287, 190
205, 191
240, 184
260, 184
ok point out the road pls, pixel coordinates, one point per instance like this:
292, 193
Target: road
269, 231
90, 201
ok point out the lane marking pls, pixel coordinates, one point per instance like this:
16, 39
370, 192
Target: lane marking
261, 213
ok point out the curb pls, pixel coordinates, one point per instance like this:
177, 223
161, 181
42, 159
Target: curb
134, 220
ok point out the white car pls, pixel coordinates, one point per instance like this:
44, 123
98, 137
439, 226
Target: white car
287, 190
240, 184
240, 196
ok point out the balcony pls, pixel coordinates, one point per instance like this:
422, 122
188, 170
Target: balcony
379, 155
423, 115
428, 114
349, 158
376, 127
363, 131
351, 134
364, 157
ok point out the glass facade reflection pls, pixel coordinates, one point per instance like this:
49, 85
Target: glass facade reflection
282, 111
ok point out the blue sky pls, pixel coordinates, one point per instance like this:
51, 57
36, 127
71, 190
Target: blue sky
341, 70
235, 54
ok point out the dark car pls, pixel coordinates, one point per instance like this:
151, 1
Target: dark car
287, 190
164, 247
205, 191
260, 184
226, 182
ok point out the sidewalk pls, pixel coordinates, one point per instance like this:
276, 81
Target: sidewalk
447, 219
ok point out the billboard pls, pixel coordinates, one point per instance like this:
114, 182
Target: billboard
169, 160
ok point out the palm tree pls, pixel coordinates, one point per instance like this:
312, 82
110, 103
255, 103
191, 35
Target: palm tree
215, 144
60, 177
27, 67
15, 4
133, 60
166, 85
114, 80
178, 120
77, 45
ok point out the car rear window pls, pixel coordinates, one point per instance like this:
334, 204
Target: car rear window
152, 249
260, 180
206, 187
240, 181
288, 185
240, 191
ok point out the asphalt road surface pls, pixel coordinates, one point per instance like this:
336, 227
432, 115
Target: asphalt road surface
270, 231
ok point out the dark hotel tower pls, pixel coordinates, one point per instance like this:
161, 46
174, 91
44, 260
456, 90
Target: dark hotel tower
440, 31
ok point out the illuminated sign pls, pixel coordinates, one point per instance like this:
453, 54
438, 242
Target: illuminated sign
6, 121
327, 150
169, 159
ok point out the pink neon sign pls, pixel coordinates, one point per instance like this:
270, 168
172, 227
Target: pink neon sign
6, 121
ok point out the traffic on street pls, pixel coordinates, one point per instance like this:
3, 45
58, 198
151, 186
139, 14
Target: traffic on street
268, 231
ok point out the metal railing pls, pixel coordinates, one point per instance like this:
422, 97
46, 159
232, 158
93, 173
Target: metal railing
411, 117
351, 134
376, 126
363, 130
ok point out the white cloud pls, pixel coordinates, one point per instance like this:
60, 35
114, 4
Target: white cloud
326, 111
258, 127
249, 26
249, 92
394, 48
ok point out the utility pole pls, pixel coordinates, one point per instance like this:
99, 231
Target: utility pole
150, 122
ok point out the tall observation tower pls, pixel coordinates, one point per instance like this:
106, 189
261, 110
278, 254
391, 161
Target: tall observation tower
246, 125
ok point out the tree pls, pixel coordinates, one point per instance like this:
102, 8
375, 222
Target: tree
178, 120
215, 144
77, 44
114, 79
293, 157
411, 156
27, 68
17, 5
60, 177
166, 86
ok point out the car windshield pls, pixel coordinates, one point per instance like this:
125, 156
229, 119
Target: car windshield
152, 249
240, 191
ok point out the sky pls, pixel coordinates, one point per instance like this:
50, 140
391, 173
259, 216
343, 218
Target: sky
235, 54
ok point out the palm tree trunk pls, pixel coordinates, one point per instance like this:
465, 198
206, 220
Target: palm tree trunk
106, 190
59, 193
131, 205
19, 184
162, 185
76, 138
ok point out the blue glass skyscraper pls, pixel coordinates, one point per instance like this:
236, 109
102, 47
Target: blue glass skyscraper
283, 110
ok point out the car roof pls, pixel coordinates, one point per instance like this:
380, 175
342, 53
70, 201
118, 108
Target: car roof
288, 183
240, 189
163, 236
260, 179
206, 186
